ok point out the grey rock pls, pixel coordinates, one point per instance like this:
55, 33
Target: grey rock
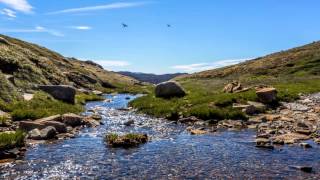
99, 93
169, 89
297, 107
259, 106
73, 120
30, 125
50, 118
34, 134
48, 133
191, 119
129, 123
305, 145
267, 95
61, 92
60, 127
307, 169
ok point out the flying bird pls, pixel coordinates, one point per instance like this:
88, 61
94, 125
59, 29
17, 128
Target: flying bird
124, 25
168, 25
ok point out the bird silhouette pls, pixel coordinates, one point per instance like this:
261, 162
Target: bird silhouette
124, 25
168, 25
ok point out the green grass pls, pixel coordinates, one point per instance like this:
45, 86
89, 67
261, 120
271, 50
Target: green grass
42, 105
3, 119
82, 98
206, 100
11, 140
290, 91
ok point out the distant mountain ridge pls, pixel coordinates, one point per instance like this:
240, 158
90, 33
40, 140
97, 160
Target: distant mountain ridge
151, 78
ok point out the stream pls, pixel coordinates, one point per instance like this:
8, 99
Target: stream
172, 153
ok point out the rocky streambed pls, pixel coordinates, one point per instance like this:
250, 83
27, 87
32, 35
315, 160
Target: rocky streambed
171, 153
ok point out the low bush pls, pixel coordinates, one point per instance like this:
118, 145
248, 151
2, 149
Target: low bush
42, 105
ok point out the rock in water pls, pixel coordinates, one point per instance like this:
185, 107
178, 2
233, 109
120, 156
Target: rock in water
126, 141
305, 145
129, 123
197, 132
267, 95
169, 89
307, 169
61, 92
73, 120
48, 133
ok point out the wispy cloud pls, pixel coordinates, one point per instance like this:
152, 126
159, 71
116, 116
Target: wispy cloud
18, 5
207, 66
81, 27
9, 13
100, 7
112, 63
37, 29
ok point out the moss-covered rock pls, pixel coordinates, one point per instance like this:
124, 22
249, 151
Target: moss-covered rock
126, 141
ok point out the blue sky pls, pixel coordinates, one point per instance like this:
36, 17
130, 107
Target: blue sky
204, 34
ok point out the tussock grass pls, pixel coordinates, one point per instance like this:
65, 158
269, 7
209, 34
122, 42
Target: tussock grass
11, 140
3, 120
42, 105
206, 100
82, 98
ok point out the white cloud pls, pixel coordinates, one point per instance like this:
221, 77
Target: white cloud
81, 27
100, 7
18, 5
9, 13
107, 63
37, 29
207, 66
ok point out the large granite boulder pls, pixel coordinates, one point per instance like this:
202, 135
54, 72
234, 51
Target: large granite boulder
267, 95
43, 134
31, 125
169, 89
61, 92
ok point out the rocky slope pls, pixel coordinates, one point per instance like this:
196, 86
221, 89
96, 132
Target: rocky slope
24, 65
151, 78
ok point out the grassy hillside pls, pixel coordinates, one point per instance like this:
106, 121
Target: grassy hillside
24, 65
292, 72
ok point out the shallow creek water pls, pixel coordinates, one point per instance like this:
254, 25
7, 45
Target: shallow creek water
171, 154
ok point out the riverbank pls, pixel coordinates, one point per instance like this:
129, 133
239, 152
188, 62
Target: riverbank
39, 118
281, 115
